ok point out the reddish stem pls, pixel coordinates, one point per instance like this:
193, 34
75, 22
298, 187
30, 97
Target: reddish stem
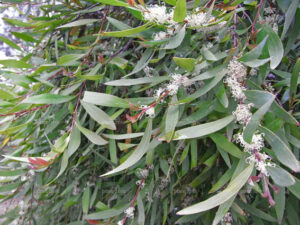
76, 108
256, 16
135, 196
25, 111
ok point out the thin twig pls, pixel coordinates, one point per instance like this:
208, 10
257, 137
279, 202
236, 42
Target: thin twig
256, 16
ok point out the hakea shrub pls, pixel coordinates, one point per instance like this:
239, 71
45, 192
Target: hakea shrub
151, 112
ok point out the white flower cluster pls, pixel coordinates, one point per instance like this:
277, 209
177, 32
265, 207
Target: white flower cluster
227, 219
257, 142
150, 111
173, 86
161, 15
237, 70
262, 161
176, 82
236, 88
237, 73
129, 212
272, 18
243, 113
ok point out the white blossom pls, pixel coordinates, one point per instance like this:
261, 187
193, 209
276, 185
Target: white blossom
172, 88
150, 111
120, 222
236, 88
144, 173
253, 72
257, 142
160, 36
243, 113
237, 70
158, 14
196, 19
262, 161
130, 212
158, 93
227, 219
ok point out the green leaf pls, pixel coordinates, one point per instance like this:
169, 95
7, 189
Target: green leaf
104, 100
232, 189
202, 130
206, 88
226, 145
143, 62
113, 2
10, 43
275, 47
118, 24
126, 33
289, 16
280, 204
143, 80
99, 115
105, 214
18, 23
186, 63
294, 79
172, 116
86, 200
123, 136
258, 98
256, 62
280, 176
24, 36
92, 136
137, 154
11, 173
256, 52
176, 40
141, 210
67, 59
4, 188
79, 23
295, 189
255, 119
180, 11
48, 99
6, 94
222, 210
12, 63
75, 140
281, 150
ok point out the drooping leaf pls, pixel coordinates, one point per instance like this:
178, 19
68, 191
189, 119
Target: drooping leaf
201, 130
281, 150
48, 99
92, 136
232, 189
281, 177
137, 154
104, 100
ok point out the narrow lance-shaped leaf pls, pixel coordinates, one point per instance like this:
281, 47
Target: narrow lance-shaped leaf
171, 119
104, 100
48, 99
294, 79
99, 115
180, 11
92, 136
233, 188
137, 153
126, 33
78, 23
255, 119
201, 130
254, 53
281, 150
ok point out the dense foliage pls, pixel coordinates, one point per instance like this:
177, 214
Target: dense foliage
155, 112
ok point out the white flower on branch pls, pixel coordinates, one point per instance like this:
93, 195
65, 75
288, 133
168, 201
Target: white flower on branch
257, 142
236, 88
243, 113
237, 70
262, 161
158, 14
130, 212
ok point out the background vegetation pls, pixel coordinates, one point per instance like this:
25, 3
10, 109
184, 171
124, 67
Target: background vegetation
151, 112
